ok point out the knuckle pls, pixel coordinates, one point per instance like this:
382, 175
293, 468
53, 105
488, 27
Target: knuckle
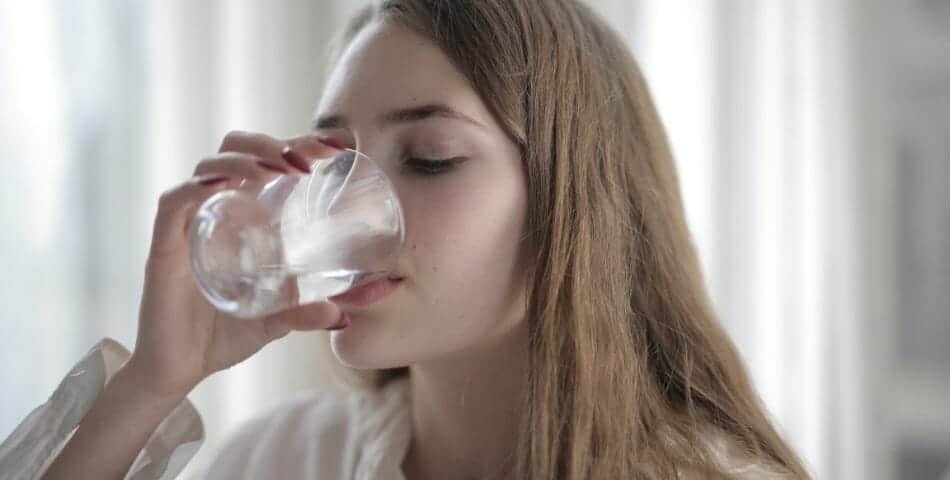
164, 207
167, 202
167, 196
232, 139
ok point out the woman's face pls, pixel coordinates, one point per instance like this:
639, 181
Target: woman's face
463, 285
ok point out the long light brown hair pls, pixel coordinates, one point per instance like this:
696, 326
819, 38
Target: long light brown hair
630, 372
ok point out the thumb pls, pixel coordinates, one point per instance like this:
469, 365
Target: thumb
312, 316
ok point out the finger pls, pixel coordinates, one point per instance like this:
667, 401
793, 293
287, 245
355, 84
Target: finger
260, 144
305, 150
308, 317
313, 146
312, 316
274, 330
176, 208
241, 164
266, 147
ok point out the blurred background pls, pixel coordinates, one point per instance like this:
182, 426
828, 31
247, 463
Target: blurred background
811, 138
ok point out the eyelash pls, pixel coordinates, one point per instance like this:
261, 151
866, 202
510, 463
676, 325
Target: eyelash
419, 166
431, 166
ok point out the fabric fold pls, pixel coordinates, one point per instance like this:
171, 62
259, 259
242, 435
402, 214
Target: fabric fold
38, 439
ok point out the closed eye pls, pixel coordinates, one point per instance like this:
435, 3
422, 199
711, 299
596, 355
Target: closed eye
431, 166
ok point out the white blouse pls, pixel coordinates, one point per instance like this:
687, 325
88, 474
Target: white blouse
319, 435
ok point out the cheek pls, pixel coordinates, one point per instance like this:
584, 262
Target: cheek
462, 237
466, 285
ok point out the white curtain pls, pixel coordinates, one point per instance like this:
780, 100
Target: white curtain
106, 104
762, 100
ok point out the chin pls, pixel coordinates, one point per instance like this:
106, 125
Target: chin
365, 348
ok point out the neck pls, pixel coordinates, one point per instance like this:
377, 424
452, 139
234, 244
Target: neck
466, 411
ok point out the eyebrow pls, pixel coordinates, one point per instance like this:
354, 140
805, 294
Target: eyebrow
404, 115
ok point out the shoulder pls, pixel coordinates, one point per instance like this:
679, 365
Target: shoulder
315, 429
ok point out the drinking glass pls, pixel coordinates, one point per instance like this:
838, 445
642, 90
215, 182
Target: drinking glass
259, 249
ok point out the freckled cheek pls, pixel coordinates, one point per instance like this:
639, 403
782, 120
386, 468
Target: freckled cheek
452, 235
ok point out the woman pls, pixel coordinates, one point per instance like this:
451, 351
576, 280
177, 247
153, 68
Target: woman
550, 320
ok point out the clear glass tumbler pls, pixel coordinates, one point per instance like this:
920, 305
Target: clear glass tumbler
259, 249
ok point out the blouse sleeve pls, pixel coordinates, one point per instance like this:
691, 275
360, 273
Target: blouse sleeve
39, 438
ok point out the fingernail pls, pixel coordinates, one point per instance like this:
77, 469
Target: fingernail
271, 167
213, 179
295, 159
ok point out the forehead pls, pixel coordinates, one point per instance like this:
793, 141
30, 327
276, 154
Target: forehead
388, 66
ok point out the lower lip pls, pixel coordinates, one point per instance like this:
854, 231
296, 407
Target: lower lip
366, 294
